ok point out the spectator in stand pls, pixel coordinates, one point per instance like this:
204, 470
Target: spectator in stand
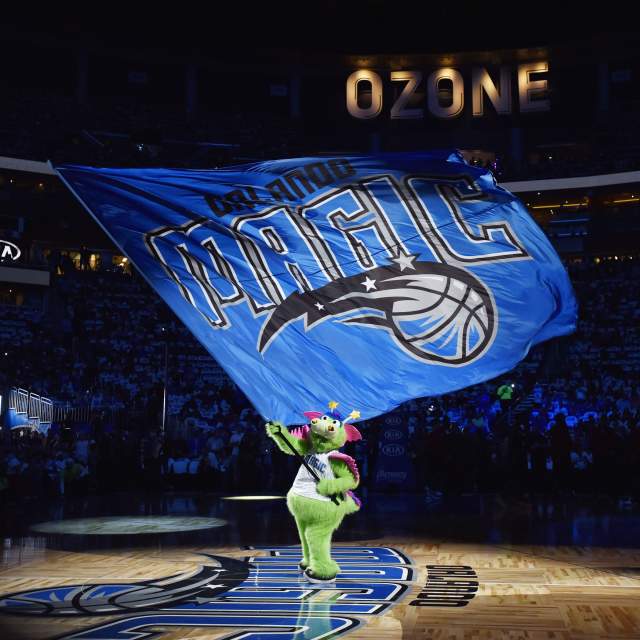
505, 395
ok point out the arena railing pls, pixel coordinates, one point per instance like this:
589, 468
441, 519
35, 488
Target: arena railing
520, 186
29, 409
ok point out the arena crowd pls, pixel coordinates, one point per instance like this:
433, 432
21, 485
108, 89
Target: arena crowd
565, 420
125, 130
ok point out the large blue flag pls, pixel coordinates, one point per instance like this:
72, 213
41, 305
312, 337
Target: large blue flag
368, 280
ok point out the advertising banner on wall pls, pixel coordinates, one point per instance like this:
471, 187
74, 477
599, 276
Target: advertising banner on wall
394, 465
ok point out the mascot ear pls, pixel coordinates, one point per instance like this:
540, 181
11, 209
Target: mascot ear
352, 433
312, 414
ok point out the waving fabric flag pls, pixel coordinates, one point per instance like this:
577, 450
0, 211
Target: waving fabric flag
367, 279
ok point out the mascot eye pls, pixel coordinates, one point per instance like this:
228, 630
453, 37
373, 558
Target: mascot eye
335, 422
314, 421
325, 417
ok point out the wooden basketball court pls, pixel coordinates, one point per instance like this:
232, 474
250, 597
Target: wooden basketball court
478, 591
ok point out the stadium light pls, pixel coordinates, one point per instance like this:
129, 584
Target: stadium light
559, 206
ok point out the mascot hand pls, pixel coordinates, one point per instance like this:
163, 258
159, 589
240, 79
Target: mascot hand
274, 429
327, 487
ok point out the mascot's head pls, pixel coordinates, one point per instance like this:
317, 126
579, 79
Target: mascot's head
329, 431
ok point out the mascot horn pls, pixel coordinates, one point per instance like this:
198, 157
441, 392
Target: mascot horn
321, 494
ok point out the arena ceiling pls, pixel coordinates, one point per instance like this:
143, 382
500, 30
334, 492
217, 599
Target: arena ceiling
336, 26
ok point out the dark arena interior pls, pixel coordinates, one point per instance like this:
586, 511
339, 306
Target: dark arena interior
142, 496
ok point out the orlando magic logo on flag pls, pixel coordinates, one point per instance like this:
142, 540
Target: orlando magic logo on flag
373, 279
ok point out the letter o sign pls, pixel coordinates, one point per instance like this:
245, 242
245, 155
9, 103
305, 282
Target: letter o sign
353, 82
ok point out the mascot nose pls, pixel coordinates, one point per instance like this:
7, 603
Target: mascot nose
331, 428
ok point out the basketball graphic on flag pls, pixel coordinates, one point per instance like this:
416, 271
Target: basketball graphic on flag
443, 315
434, 312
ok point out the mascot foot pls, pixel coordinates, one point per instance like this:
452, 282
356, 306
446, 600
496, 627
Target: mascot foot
312, 577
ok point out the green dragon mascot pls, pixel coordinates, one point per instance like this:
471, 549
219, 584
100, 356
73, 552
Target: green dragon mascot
321, 494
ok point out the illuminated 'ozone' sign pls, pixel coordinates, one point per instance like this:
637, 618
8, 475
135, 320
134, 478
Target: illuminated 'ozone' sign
444, 89
9, 250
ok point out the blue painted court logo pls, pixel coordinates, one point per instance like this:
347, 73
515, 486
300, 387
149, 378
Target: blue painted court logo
260, 596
